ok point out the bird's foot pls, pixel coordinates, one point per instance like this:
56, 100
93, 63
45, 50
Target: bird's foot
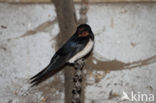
79, 64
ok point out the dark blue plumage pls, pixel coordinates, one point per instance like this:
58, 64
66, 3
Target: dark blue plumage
72, 47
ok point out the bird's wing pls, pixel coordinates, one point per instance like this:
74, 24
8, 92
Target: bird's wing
67, 51
56, 62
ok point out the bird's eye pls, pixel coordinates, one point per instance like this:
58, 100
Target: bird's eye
83, 34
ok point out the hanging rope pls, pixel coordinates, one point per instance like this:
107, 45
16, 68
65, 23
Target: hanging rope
78, 75
77, 79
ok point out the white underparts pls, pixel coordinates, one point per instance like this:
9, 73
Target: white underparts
83, 52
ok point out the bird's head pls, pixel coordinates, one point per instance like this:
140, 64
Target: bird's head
84, 30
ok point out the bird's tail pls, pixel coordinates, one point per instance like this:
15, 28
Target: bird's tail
39, 76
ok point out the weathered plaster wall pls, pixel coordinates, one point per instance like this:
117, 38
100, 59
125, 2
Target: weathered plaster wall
125, 37
124, 32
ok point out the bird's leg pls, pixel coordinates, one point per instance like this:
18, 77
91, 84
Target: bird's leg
77, 79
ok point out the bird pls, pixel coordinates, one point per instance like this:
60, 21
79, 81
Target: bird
77, 47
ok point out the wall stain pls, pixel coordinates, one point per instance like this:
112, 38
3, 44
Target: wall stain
40, 28
112, 23
114, 65
3, 48
133, 44
112, 95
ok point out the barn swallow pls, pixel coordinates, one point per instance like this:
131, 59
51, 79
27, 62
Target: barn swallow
78, 46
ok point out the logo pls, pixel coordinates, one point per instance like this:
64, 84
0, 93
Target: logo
137, 96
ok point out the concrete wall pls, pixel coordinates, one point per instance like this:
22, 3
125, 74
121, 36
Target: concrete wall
125, 49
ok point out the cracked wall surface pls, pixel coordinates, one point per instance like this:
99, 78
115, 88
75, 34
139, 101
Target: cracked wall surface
124, 56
